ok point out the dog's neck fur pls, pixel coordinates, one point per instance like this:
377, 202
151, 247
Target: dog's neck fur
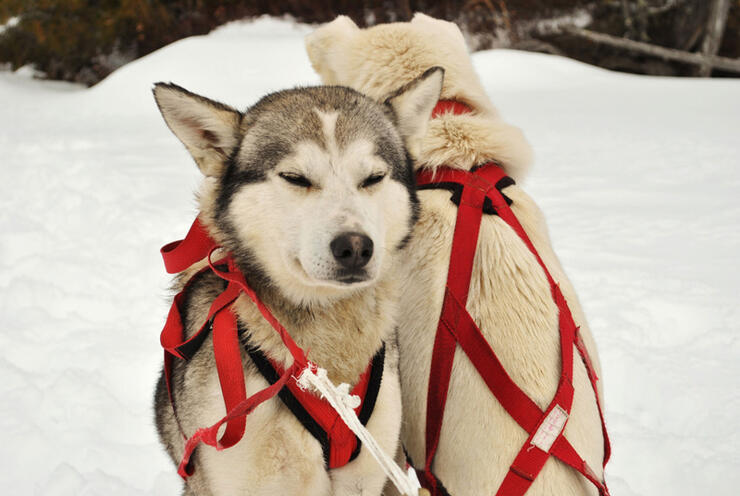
340, 335
466, 140
341, 345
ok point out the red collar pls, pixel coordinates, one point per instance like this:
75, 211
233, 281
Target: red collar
450, 106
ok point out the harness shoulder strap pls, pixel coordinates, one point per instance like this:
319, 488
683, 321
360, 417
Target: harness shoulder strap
223, 323
464, 242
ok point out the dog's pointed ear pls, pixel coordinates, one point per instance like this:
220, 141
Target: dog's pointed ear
323, 44
413, 104
208, 129
432, 25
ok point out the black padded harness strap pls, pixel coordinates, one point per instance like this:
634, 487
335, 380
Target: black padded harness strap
456, 190
267, 371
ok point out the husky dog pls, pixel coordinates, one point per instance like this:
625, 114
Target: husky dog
509, 297
312, 192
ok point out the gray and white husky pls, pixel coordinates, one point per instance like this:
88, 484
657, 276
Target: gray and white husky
312, 191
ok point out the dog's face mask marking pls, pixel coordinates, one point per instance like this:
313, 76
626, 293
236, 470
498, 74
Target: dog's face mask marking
312, 188
344, 209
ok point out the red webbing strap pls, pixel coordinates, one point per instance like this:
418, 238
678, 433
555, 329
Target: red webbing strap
566, 453
464, 243
456, 326
581, 346
226, 349
517, 404
342, 441
466, 237
230, 366
565, 316
208, 435
172, 337
459, 322
531, 458
179, 255
234, 276
439, 382
227, 353
450, 106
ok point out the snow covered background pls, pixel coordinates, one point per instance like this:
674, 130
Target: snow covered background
639, 178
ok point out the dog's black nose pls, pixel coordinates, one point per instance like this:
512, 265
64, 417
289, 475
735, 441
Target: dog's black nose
352, 250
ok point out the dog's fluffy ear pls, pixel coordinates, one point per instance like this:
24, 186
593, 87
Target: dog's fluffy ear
208, 129
433, 25
413, 104
323, 44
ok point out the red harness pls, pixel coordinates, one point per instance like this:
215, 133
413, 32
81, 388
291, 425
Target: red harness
478, 192
339, 443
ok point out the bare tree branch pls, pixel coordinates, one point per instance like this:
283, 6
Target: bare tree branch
724, 63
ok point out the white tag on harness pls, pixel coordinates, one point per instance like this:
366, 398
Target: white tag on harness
550, 428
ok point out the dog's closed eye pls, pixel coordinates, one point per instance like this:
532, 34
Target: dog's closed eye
296, 179
372, 180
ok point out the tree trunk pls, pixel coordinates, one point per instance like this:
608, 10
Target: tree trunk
713, 37
628, 24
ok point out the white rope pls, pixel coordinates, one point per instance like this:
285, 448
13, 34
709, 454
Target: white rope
345, 403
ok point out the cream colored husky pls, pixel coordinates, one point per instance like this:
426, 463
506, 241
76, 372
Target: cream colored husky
509, 295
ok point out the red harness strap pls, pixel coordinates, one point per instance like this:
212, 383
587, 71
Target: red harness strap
456, 326
338, 442
343, 444
449, 106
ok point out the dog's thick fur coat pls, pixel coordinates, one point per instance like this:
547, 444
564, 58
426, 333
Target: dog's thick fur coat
509, 295
282, 180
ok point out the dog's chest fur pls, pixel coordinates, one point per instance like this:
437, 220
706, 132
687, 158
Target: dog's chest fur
276, 447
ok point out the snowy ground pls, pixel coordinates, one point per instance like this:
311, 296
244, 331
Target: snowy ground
638, 177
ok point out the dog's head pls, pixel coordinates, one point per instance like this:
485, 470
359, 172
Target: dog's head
372, 60
311, 189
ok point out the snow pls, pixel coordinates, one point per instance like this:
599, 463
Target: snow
637, 176
10, 23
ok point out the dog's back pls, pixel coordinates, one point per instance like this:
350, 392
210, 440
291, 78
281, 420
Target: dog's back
509, 294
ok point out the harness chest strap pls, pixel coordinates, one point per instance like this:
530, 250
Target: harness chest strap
339, 443
455, 326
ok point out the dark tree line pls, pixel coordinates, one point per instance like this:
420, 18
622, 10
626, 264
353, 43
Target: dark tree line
85, 40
